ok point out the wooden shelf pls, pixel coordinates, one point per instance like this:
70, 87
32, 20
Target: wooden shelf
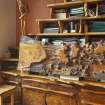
81, 20
72, 34
65, 5
72, 4
94, 18
72, 18
47, 20
60, 34
56, 20
95, 33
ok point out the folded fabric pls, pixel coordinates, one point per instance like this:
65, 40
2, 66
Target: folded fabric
30, 53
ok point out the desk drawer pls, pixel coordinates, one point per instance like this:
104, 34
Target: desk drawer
35, 96
57, 99
92, 97
69, 89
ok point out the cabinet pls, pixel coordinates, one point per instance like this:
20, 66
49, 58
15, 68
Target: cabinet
40, 91
92, 96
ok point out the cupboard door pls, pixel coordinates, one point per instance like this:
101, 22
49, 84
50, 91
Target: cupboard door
33, 97
92, 97
57, 99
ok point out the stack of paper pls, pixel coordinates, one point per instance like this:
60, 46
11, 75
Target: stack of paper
77, 11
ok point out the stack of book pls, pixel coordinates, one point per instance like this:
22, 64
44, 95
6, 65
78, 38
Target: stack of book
72, 27
73, 0
60, 14
51, 28
102, 9
77, 11
76, 0
98, 26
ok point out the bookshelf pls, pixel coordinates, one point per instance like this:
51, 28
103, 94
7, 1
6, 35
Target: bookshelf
89, 26
61, 22
83, 21
73, 3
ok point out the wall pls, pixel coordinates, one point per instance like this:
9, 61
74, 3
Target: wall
7, 24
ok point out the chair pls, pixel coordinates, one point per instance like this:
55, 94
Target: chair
7, 91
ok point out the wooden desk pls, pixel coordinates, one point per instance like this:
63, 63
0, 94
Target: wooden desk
43, 90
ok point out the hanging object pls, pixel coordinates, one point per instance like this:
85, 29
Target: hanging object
23, 9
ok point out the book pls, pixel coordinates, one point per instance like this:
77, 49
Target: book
63, 77
60, 14
97, 26
51, 30
102, 9
77, 11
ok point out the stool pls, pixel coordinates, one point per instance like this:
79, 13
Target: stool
7, 91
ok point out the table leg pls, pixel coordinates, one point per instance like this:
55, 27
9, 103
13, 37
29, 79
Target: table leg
1, 100
12, 99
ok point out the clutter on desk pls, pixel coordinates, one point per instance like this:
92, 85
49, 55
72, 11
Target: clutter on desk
64, 57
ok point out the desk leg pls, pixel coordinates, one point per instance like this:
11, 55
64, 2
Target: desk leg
1, 100
12, 99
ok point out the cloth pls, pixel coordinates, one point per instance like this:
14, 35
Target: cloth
30, 53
